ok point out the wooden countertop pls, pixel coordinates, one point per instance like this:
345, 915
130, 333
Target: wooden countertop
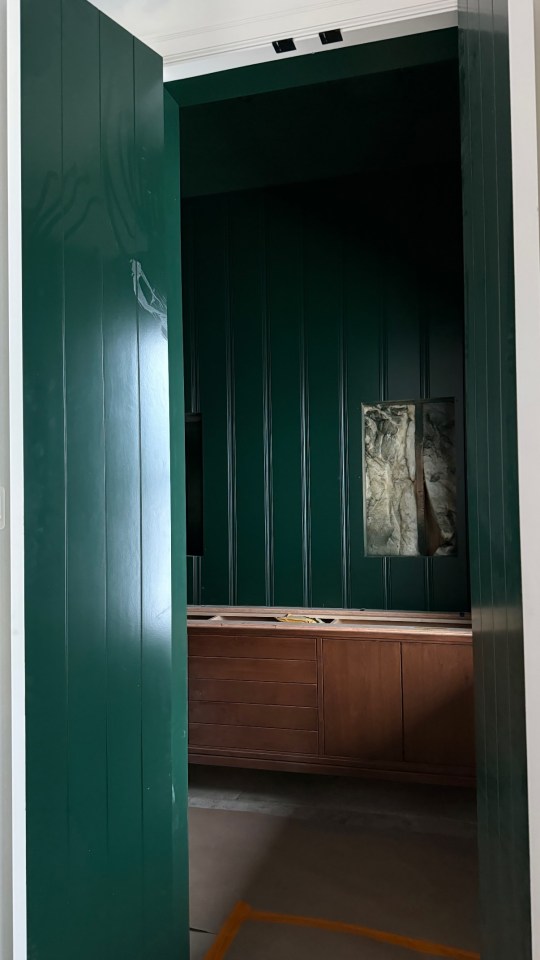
347, 624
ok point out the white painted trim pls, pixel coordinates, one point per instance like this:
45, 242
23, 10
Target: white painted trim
16, 481
181, 65
301, 21
524, 80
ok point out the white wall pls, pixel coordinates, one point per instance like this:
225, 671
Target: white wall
12, 773
525, 105
207, 35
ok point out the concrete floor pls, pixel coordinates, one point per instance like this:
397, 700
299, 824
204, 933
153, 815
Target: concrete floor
259, 942
395, 857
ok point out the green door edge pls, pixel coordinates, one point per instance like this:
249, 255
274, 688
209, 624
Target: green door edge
178, 522
494, 534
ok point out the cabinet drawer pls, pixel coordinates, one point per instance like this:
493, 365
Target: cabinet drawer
262, 739
247, 668
252, 691
254, 715
248, 645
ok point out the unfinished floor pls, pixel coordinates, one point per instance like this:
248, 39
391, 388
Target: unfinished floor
396, 858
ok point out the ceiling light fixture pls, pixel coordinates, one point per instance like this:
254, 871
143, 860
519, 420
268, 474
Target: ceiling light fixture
284, 46
331, 36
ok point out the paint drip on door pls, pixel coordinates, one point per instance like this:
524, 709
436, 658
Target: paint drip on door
148, 297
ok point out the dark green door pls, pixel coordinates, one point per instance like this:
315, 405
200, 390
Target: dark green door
492, 480
106, 729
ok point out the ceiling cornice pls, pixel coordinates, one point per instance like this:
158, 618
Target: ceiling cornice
300, 22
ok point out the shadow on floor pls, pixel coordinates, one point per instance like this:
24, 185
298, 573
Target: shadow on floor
390, 856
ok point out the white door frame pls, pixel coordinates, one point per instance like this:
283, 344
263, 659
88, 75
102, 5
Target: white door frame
12, 679
524, 32
525, 105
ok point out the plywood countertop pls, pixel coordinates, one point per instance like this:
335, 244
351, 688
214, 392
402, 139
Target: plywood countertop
363, 624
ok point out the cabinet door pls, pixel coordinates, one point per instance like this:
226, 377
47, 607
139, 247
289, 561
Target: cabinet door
362, 699
438, 704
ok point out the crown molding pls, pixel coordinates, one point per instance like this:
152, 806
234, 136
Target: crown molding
301, 22
378, 13
362, 21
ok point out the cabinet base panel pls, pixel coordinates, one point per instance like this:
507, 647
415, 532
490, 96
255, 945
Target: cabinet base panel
403, 773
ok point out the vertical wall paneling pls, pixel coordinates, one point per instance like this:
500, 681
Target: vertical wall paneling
123, 496
246, 386
191, 378
45, 505
212, 300
154, 428
283, 248
85, 471
344, 466
267, 415
386, 566
323, 309
180, 905
305, 438
230, 389
101, 830
189, 350
404, 356
444, 375
493, 488
425, 393
330, 299
365, 348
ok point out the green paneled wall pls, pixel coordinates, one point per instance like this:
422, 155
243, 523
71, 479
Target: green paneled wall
105, 838
303, 302
308, 132
178, 678
342, 62
493, 489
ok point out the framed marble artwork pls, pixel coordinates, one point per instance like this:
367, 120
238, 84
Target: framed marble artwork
409, 478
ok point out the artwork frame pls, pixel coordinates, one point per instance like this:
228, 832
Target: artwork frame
409, 478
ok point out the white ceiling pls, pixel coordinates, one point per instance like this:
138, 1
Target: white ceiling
199, 36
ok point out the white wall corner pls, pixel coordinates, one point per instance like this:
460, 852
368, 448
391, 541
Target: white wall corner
524, 87
12, 677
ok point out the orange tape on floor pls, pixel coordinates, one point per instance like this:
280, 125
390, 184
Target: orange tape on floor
243, 912
228, 932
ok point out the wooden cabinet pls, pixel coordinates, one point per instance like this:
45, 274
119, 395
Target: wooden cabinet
362, 699
438, 704
378, 698
253, 695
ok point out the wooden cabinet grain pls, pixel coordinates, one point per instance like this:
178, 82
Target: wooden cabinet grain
438, 704
388, 695
362, 699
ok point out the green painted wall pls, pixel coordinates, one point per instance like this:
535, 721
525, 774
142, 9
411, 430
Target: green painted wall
369, 122
178, 679
107, 870
342, 62
493, 482
301, 303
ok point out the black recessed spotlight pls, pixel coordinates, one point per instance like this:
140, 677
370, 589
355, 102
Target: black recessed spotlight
331, 36
284, 46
